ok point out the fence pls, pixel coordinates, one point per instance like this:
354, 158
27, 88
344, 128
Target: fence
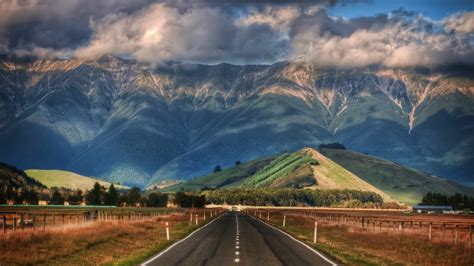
435, 229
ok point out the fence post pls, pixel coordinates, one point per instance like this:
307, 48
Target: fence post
4, 226
284, 220
63, 219
190, 217
429, 233
456, 234
260, 215
470, 238
315, 237
442, 231
167, 232
204, 216
197, 218
268, 216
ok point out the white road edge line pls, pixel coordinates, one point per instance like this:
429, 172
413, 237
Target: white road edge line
170, 247
297, 240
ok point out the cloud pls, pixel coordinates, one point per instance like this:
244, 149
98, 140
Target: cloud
161, 32
399, 39
242, 32
462, 22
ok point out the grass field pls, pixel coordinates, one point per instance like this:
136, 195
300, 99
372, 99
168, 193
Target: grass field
97, 243
352, 245
59, 178
402, 183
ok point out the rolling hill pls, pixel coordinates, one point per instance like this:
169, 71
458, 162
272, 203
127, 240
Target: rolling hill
58, 178
328, 169
403, 183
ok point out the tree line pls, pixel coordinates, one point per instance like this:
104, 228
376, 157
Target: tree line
97, 195
458, 201
294, 197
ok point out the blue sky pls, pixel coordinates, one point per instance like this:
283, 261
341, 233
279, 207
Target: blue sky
435, 9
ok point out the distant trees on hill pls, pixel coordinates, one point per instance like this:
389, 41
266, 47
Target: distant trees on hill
295, 197
334, 145
458, 201
217, 169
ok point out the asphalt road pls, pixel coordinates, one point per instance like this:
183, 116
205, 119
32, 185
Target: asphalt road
238, 239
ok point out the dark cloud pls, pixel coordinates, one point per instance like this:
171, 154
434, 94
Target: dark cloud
232, 31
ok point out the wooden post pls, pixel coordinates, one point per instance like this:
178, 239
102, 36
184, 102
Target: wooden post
204, 216
268, 216
315, 237
456, 234
5, 226
429, 233
190, 217
284, 220
443, 227
197, 218
63, 219
470, 237
167, 232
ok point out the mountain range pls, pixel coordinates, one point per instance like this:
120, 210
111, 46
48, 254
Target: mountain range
127, 122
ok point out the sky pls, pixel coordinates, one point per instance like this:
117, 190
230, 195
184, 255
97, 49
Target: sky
326, 33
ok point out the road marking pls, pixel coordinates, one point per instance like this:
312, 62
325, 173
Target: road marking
237, 259
170, 247
299, 241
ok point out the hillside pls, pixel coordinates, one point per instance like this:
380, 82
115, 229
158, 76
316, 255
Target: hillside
17, 179
403, 183
305, 168
329, 169
125, 122
58, 178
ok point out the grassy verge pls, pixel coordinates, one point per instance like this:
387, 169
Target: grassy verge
351, 246
102, 243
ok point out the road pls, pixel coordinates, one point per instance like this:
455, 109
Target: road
238, 239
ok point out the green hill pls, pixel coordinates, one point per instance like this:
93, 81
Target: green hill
328, 169
305, 168
59, 178
402, 183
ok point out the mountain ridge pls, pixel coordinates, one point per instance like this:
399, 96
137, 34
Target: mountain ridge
105, 115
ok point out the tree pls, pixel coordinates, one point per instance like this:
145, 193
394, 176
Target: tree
76, 198
111, 196
94, 196
3, 195
238, 163
134, 196
217, 169
30, 196
157, 200
57, 198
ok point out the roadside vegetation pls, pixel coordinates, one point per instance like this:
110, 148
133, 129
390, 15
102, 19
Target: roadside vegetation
353, 245
116, 242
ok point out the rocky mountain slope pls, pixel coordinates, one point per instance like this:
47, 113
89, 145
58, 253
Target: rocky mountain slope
130, 123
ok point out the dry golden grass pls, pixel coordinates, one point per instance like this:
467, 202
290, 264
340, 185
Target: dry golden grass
94, 243
352, 245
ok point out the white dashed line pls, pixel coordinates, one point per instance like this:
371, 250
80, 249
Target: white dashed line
237, 243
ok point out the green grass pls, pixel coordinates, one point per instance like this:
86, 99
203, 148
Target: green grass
401, 183
59, 178
226, 178
283, 167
